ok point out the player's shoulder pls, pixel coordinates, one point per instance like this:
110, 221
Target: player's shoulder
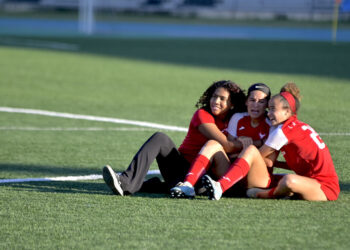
202, 116
292, 124
239, 116
277, 130
202, 113
277, 138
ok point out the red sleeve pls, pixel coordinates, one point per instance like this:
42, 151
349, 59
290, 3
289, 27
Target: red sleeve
202, 116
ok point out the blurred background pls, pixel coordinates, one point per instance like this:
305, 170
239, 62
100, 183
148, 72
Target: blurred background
188, 18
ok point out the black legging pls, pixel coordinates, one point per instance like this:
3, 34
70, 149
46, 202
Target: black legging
172, 165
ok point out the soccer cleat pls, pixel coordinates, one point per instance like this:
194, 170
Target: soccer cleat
214, 189
182, 190
112, 180
200, 189
253, 192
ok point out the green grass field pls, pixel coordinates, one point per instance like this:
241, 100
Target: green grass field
155, 80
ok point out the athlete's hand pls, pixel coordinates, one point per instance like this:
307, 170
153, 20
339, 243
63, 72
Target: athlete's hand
246, 141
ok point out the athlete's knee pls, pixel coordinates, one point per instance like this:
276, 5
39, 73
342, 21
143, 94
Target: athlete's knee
250, 151
290, 181
162, 142
211, 147
214, 144
160, 136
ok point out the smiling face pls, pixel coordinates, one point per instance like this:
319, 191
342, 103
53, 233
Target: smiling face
256, 104
277, 113
220, 102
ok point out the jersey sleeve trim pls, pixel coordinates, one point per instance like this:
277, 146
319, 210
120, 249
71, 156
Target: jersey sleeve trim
277, 139
232, 126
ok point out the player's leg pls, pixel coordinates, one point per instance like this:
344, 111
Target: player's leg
133, 177
307, 188
248, 160
172, 165
211, 155
258, 174
220, 163
251, 164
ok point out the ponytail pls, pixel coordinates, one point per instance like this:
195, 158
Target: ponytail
291, 97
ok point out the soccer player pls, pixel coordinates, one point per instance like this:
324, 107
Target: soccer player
216, 106
251, 127
305, 153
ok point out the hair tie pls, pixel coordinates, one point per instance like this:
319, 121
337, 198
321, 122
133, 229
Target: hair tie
290, 99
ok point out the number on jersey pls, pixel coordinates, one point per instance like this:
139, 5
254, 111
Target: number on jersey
315, 137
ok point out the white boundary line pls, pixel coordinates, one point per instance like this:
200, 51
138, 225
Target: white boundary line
65, 178
335, 134
97, 129
61, 178
74, 129
91, 118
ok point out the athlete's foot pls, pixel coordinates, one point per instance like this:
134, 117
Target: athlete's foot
214, 189
182, 190
112, 180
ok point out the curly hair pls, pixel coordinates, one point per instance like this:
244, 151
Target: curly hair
237, 97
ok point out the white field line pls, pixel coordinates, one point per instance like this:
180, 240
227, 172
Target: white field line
335, 134
65, 178
91, 118
92, 129
40, 44
74, 129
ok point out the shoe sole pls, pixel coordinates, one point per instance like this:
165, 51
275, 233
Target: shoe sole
111, 180
202, 191
206, 182
178, 194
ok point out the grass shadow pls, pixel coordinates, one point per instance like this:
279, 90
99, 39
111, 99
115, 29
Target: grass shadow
70, 187
344, 187
290, 57
151, 195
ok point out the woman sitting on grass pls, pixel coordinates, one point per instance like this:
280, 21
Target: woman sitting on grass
216, 106
251, 127
305, 153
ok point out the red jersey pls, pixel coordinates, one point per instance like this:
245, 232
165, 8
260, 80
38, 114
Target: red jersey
241, 125
306, 154
194, 139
